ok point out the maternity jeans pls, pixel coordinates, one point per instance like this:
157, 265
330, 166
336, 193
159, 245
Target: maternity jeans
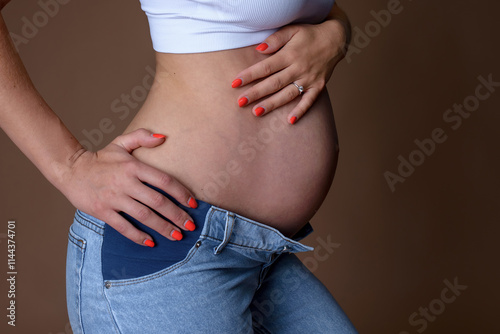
230, 275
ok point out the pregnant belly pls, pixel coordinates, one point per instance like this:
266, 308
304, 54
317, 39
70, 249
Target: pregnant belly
260, 167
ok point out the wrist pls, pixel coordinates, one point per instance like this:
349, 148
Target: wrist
338, 33
338, 21
59, 171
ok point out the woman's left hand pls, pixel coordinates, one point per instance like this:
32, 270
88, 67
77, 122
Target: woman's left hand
303, 53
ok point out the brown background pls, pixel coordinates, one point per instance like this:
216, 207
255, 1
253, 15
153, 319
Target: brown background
396, 248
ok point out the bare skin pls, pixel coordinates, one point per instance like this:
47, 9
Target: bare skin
275, 167
277, 184
261, 167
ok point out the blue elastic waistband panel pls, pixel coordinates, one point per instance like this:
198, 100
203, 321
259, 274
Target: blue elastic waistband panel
122, 258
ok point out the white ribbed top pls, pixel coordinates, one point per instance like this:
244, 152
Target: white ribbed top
191, 26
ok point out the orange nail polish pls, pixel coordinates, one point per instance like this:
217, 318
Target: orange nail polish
176, 235
237, 83
149, 243
243, 101
262, 47
189, 225
259, 111
293, 119
192, 203
157, 135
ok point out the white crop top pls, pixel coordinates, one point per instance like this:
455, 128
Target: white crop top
191, 26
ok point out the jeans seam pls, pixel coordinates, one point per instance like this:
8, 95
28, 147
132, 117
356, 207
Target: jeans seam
265, 269
73, 238
110, 311
78, 218
238, 245
74, 243
72, 235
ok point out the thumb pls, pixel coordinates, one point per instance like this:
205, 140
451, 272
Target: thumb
277, 40
139, 138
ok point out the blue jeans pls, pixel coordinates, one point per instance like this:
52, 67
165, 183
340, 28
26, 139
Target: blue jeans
231, 275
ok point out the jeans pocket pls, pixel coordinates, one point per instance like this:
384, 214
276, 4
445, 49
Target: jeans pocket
148, 263
74, 266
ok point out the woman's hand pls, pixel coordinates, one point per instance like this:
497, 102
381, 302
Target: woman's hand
303, 53
103, 183
106, 182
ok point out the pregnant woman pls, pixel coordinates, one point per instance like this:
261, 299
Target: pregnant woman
189, 221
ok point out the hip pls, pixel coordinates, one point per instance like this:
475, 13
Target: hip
231, 262
113, 284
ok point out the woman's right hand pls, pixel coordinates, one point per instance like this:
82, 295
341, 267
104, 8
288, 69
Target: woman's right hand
111, 180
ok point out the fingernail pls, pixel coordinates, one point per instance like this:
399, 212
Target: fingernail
149, 243
243, 101
192, 203
237, 83
157, 135
293, 119
259, 111
189, 225
176, 235
262, 47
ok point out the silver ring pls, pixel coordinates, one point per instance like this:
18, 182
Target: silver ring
300, 88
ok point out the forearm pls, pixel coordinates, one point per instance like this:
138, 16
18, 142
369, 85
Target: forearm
338, 17
28, 120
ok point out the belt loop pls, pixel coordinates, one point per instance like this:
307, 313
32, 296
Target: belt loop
227, 232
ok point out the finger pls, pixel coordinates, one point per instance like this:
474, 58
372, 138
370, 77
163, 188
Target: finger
168, 184
273, 84
139, 138
122, 226
277, 40
306, 102
164, 206
262, 69
284, 96
147, 217
270, 45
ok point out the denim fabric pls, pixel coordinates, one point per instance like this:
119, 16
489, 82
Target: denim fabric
238, 276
